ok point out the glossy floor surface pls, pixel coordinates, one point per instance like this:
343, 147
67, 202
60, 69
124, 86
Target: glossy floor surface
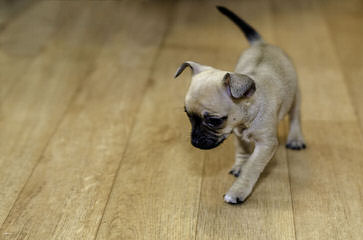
94, 142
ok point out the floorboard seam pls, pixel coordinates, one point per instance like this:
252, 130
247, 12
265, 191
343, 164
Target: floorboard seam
341, 68
286, 130
28, 66
152, 70
290, 188
57, 125
200, 196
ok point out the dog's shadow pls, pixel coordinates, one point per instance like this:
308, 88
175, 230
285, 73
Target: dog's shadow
220, 160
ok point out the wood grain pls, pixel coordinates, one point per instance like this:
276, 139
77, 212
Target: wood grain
94, 143
39, 88
344, 24
326, 178
156, 191
10, 9
26, 36
98, 116
101, 115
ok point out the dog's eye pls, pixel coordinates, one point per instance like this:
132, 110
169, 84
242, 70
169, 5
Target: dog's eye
214, 122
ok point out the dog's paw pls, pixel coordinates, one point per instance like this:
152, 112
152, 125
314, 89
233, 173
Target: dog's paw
232, 199
295, 144
237, 197
235, 171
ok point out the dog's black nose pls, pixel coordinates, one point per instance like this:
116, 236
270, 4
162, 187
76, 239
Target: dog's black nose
204, 143
195, 142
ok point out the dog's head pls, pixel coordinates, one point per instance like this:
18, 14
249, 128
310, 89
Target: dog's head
216, 102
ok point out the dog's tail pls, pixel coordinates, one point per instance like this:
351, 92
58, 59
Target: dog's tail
250, 33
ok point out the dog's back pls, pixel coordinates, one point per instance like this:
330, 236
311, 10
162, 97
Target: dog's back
271, 69
273, 72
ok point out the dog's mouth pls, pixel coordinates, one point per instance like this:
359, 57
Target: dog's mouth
207, 143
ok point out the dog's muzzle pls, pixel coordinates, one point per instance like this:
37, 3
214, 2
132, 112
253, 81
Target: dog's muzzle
206, 142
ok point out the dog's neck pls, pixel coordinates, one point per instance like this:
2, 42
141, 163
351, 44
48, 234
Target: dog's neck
250, 109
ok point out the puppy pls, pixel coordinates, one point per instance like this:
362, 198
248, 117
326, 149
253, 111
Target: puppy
248, 102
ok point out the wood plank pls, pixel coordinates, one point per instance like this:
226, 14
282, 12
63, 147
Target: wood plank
87, 74
326, 182
32, 108
156, 193
67, 192
267, 214
10, 9
21, 42
290, 36
344, 22
326, 179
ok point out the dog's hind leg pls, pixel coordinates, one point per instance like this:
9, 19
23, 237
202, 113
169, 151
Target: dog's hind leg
295, 139
243, 152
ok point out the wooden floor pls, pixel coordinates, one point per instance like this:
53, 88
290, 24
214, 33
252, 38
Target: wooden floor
94, 143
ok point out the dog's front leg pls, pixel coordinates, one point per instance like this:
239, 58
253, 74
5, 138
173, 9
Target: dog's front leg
243, 153
242, 187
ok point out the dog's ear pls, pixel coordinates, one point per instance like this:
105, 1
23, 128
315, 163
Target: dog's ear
195, 67
239, 85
